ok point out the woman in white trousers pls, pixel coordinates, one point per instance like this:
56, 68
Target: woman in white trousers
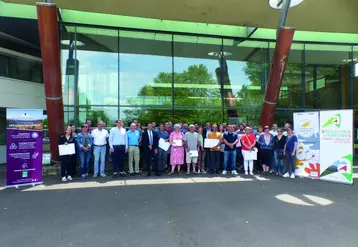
248, 142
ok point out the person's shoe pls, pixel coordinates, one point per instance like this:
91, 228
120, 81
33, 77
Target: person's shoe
83, 177
188, 173
194, 172
251, 173
271, 171
246, 173
115, 175
86, 175
95, 175
149, 174
217, 172
234, 173
211, 172
158, 174
286, 175
224, 172
69, 178
203, 171
136, 173
198, 172
292, 175
64, 179
132, 174
103, 175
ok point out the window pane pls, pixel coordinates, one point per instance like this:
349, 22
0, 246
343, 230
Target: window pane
196, 63
145, 115
145, 69
107, 114
327, 74
245, 73
97, 55
197, 115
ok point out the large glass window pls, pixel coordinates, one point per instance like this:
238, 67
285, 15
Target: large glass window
327, 77
145, 115
197, 80
145, 69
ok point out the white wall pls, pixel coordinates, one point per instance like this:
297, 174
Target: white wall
20, 94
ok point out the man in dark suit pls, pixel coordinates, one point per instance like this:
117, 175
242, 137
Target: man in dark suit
150, 142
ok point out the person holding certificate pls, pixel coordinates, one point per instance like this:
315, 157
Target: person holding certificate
66, 160
248, 142
215, 150
177, 149
162, 153
192, 146
84, 141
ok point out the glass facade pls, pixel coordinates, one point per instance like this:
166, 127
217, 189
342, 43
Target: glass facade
162, 76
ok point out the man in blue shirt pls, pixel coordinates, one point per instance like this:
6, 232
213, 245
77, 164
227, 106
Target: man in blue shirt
134, 139
162, 154
230, 139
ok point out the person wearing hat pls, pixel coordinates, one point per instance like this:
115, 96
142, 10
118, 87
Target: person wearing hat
192, 143
266, 149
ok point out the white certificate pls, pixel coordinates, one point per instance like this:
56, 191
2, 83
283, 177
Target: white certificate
66, 149
209, 143
178, 143
163, 144
194, 153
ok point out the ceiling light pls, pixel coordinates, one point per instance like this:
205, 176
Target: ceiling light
77, 43
219, 54
277, 4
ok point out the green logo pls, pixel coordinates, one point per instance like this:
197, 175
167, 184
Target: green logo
336, 120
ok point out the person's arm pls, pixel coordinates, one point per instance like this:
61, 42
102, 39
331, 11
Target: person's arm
294, 148
110, 140
90, 141
244, 144
79, 141
284, 150
224, 140
236, 141
171, 140
126, 141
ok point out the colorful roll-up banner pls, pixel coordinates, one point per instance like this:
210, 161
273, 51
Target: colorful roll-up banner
337, 146
23, 147
306, 128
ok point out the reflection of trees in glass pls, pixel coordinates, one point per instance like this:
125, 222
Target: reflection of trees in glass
195, 86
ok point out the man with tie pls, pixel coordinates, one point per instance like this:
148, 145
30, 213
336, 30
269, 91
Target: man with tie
150, 141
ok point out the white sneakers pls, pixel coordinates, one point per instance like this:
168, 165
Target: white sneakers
246, 173
251, 173
103, 175
69, 178
64, 179
286, 175
234, 173
224, 172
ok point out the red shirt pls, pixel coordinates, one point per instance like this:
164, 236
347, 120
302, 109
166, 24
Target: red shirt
248, 140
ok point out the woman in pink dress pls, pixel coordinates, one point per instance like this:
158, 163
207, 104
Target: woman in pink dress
177, 152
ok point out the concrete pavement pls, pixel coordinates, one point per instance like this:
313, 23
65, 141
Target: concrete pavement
180, 211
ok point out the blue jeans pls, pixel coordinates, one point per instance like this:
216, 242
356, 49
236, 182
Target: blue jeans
290, 163
118, 158
84, 161
278, 162
230, 154
99, 156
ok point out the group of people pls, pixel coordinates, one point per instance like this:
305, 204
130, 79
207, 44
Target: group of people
167, 148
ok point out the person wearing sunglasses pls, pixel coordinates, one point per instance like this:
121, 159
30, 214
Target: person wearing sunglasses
84, 142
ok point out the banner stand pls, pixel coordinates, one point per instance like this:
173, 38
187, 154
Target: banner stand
23, 147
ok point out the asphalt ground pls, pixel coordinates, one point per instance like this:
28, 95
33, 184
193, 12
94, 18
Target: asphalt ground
180, 211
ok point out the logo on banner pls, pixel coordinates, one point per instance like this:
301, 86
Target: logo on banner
34, 135
335, 121
306, 128
343, 166
13, 146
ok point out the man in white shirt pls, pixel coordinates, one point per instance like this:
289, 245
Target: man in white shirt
99, 136
274, 129
118, 143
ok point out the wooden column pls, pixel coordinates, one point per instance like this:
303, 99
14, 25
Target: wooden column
50, 53
277, 71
